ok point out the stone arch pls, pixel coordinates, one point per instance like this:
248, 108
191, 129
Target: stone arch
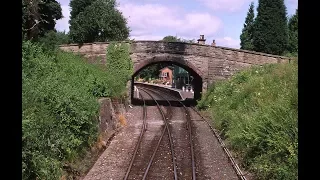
179, 60
140, 64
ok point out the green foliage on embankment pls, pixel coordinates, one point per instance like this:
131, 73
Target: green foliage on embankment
257, 113
119, 65
59, 108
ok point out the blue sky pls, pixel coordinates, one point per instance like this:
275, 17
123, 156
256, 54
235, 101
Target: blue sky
221, 20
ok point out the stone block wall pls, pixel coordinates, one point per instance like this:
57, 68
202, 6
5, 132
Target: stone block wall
210, 62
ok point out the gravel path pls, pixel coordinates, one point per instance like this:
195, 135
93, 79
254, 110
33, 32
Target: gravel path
113, 163
211, 160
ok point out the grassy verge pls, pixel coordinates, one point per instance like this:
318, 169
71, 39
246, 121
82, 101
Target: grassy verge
59, 108
257, 113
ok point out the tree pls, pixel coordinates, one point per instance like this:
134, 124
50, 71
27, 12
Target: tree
78, 6
39, 17
270, 27
176, 39
171, 39
99, 22
151, 71
247, 31
50, 11
293, 34
52, 39
119, 66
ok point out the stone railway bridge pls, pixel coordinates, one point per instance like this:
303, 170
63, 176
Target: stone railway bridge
206, 63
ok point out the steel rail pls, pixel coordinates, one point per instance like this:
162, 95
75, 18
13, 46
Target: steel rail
190, 133
140, 137
216, 134
170, 140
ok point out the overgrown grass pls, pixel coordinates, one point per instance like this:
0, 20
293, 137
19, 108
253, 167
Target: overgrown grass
60, 108
257, 113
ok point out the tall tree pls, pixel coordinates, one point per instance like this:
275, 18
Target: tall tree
39, 17
78, 6
270, 27
293, 33
99, 22
247, 31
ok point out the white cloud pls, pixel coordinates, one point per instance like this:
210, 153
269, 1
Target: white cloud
228, 42
152, 18
225, 5
63, 24
147, 16
200, 23
149, 21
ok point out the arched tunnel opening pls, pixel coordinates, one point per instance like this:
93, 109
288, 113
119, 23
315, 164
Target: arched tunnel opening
170, 74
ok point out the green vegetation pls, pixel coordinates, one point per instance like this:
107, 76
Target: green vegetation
257, 114
52, 39
60, 89
176, 39
119, 66
270, 32
293, 35
247, 31
99, 21
152, 72
60, 107
78, 6
270, 27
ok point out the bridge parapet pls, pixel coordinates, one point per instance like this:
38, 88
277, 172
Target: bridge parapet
211, 63
176, 48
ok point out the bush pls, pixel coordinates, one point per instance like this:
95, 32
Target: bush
59, 108
257, 112
51, 40
119, 67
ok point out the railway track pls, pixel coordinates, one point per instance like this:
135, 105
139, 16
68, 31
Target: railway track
239, 173
189, 129
133, 170
144, 128
216, 134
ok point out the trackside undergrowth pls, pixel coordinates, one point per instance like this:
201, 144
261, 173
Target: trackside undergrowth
256, 112
59, 108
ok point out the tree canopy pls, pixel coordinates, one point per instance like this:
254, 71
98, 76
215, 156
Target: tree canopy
52, 39
39, 17
293, 33
270, 28
176, 39
78, 6
171, 39
98, 22
247, 31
